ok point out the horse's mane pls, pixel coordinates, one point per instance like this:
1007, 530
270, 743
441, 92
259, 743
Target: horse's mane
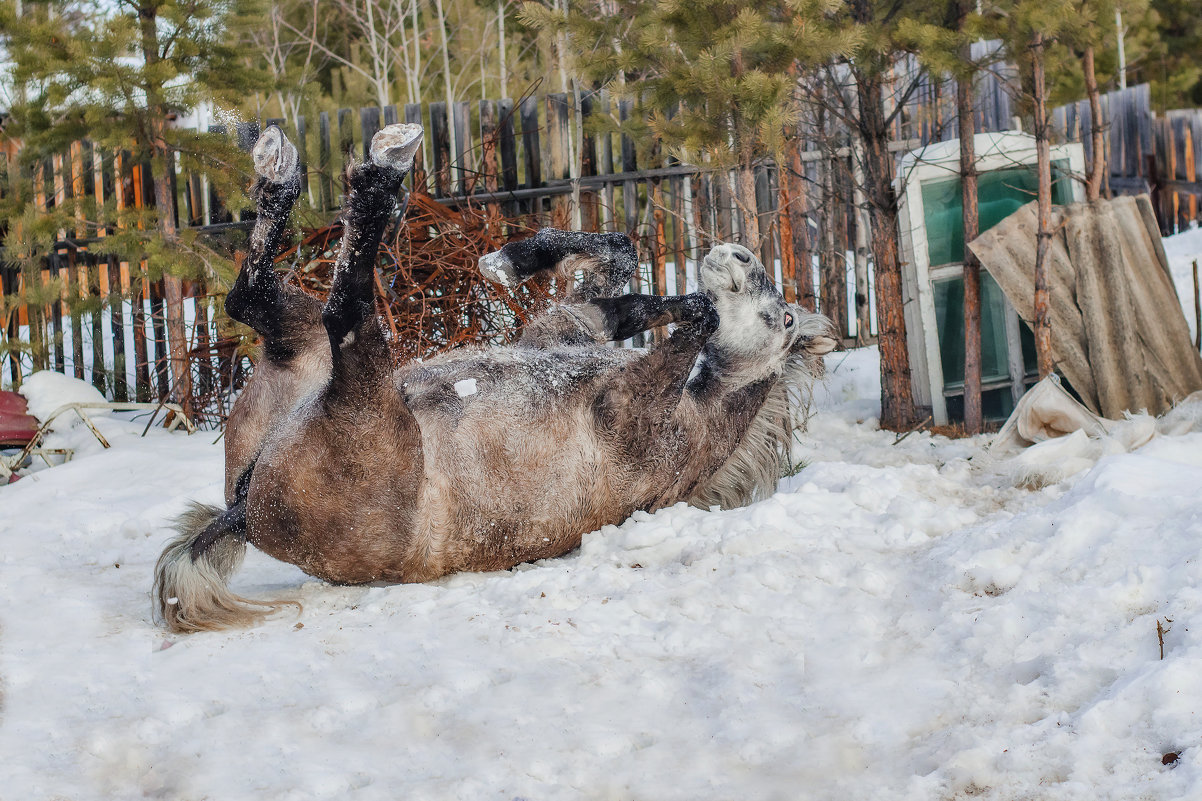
765, 453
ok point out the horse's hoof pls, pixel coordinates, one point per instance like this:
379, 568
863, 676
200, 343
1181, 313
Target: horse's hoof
275, 157
395, 145
497, 267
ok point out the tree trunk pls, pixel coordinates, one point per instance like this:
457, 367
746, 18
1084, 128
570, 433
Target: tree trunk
1121, 34
1097, 169
972, 266
860, 221
161, 161
1043, 237
794, 180
747, 204
446, 83
832, 265
504, 63
897, 395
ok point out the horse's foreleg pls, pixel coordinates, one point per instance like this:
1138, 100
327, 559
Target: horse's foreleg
349, 313
622, 317
607, 319
283, 316
606, 260
650, 389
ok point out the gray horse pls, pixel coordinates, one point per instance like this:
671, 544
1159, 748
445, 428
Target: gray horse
481, 458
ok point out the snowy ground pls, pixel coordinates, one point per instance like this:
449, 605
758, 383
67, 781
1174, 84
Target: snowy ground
898, 622
1183, 250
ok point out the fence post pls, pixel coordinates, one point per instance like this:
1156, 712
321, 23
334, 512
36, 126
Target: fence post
461, 116
558, 133
488, 161
130, 191
440, 144
589, 216
508, 146
369, 122
324, 162
532, 152
346, 145
413, 114
763, 212
606, 167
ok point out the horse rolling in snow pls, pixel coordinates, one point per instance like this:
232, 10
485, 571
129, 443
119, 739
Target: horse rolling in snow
481, 458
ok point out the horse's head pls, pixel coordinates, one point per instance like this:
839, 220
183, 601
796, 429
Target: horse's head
759, 331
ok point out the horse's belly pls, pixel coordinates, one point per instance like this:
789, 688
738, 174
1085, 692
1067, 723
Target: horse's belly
337, 502
505, 487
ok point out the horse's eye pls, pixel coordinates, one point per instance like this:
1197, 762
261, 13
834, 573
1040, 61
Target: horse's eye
788, 320
743, 257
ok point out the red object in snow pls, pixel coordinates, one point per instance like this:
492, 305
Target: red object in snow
17, 426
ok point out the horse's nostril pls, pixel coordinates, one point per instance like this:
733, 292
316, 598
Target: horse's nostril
743, 257
788, 320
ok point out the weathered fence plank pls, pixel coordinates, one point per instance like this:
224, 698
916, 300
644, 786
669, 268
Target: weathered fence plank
440, 144
325, 165
413, 115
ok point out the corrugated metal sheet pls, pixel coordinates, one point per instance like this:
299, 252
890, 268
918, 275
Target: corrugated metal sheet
1118, 334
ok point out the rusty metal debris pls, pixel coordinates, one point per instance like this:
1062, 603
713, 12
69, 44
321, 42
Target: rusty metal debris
430, 294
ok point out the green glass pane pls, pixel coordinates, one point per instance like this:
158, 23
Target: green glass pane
996, 405
1030, 363
999, 194
949, 318
943, 210
995, 355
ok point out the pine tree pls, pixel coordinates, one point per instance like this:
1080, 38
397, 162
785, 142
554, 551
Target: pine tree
1172, 59
1090, 35
1030, 28
714, 76
878, 95
946, 49
111, 74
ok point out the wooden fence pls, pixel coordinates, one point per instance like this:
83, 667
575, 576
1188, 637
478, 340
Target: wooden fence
513, 156
521, 158
1145, 152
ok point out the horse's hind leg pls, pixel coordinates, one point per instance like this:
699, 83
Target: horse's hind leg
349, 313
606, 261
337, 493
295, 358
283, 315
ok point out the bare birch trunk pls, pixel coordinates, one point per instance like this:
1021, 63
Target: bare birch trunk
379, 61
446, 80
501, 48
860, 219
417, 56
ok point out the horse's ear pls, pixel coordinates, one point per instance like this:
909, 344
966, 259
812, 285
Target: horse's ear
819, 345
816, 335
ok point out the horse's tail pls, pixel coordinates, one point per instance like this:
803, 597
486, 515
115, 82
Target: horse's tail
190, 579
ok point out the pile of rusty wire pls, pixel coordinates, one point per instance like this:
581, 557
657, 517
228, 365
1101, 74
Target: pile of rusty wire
430, 293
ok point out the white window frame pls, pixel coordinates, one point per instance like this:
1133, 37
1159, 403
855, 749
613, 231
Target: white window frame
937, 162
